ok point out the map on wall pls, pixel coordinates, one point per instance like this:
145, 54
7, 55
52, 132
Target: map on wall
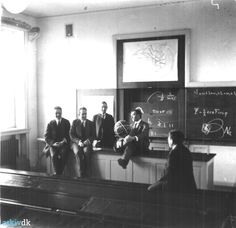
152, 60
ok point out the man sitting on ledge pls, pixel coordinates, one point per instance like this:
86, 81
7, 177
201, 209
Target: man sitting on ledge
82, 134
57, 141
136, 142
178, 173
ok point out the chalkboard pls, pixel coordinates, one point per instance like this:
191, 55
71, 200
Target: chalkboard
163, 109
211, 114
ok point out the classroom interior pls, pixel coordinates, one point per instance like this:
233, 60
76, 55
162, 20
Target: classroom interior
83, 68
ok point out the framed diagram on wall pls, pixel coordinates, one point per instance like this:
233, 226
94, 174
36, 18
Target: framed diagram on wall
157, 59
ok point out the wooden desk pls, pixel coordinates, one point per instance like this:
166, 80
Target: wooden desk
148, 168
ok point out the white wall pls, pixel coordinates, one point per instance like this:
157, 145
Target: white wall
88, 60
225, 165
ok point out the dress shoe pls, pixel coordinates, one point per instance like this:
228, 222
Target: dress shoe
123, 163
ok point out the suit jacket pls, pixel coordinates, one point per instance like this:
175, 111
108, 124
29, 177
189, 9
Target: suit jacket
76, 131
178, 173
56, 133
142, 132
104, 129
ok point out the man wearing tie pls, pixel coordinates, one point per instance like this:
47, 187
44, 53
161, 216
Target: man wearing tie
57, 141
137, 141
82, 134
104, 125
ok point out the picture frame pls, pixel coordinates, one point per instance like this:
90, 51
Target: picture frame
152, 60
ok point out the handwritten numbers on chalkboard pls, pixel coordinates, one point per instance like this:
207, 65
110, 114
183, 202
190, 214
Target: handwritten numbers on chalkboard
162, 110
161, 96
211, 114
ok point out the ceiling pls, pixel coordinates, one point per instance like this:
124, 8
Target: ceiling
48, 8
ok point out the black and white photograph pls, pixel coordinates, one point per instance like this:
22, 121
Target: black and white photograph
118, 113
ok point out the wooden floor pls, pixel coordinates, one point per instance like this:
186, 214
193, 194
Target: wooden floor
52, 202
43, 218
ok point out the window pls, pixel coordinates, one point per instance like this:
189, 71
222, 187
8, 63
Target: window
12, 78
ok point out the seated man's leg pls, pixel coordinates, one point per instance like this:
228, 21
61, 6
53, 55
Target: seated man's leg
87, 154
128, 153
63, 151
77, 151
55, 160
81, 158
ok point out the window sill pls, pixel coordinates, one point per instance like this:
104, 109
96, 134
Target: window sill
14, 131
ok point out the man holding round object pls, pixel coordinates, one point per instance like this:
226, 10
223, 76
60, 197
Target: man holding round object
121, 129
135, 141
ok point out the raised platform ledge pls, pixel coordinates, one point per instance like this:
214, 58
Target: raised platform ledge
158, 154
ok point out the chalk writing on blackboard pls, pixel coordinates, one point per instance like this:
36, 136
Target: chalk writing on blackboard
218, 92
160, 124
163, 111
216, 125
215, 4
211, 114
210, 111
159, 96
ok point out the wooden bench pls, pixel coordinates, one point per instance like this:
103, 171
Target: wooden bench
125, 203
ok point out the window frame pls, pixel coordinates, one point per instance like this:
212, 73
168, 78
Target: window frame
22, 124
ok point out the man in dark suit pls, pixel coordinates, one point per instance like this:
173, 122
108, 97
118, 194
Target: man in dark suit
178, 173
104, 126
57, 141
137, 142
82, 134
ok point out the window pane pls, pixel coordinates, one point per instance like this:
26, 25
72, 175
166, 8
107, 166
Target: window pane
12, 71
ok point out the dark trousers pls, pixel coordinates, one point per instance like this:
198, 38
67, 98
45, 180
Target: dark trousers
130, 149
59, 157
82, 157
133, 149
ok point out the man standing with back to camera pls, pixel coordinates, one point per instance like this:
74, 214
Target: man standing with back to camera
104, 125
57, 141
137, 141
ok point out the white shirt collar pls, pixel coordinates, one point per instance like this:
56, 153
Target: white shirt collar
103, 115
137, 122
57, 120
83, 121
173, 147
